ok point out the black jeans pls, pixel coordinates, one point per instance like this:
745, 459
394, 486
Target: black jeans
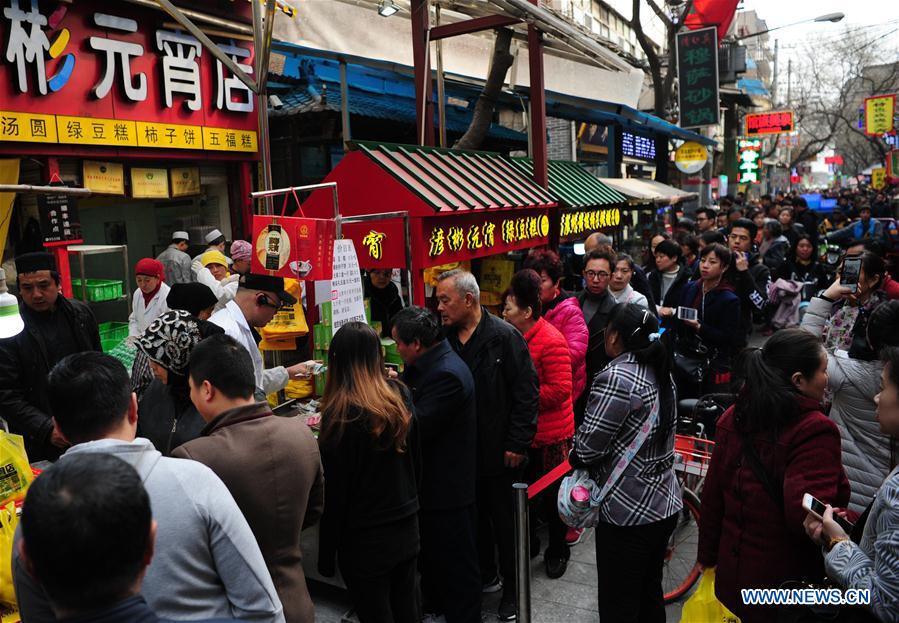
545, 505
629, 568
450, 576
388, 598
496, 528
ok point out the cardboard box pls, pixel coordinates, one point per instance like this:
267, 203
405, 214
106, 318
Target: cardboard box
496, 274
367, 304
320, 380
321, 337
377, 326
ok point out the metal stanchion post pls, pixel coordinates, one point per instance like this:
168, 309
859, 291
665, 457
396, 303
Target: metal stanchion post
522, 553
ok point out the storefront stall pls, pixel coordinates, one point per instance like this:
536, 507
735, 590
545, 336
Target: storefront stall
134, 109
463, 206
648, 204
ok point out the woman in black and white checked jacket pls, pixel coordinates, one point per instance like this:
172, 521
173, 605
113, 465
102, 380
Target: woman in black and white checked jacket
639, 513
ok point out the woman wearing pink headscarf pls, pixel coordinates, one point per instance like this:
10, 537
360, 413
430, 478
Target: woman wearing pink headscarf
148, 302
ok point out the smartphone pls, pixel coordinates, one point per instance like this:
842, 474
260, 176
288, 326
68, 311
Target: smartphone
817, 507
849, 274
687, 313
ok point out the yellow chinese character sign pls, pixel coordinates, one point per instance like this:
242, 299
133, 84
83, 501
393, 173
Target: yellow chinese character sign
879, 112
374, 243
585, 223
482, 237
878, 178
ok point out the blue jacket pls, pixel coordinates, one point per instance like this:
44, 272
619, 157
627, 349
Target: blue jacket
443, 394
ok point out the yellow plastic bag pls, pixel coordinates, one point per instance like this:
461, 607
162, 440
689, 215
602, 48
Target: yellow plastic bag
8, 521
15, 472
703, 606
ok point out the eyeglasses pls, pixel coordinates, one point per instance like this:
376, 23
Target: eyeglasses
267, 302
592, 274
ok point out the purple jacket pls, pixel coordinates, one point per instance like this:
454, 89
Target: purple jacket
566, 316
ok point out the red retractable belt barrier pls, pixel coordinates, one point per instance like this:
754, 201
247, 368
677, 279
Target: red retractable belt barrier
547, 479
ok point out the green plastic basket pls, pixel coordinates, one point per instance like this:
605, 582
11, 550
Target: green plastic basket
112, 334
98, 289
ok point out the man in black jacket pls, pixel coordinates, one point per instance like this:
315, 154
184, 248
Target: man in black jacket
443, 394
596, 304
601, 242
668, 279
802, 215
749, 276
507, 396
54, 327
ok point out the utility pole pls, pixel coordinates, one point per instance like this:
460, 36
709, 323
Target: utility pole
790, 138
774, 78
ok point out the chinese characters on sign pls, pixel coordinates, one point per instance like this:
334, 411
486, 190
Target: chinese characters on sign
697, 75
453, 238
346, 286
637, 146
879, 113
574, 223
878, 178
750, 155
374, 243
769, 123
59, 217
135, 82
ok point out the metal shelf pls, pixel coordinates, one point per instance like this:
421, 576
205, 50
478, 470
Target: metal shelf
82, 250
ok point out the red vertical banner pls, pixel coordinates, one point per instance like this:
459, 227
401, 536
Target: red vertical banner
301, 248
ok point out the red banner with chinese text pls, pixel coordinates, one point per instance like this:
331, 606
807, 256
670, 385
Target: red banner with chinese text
460, 237
301, 248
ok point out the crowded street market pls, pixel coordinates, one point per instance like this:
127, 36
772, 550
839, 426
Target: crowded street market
449, 311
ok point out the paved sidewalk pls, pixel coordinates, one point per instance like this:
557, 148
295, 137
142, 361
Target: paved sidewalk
570, 599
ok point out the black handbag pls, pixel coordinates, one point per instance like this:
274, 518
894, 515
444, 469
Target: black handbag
692, 361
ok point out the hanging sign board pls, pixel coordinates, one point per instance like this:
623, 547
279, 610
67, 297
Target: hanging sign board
769, 123
293, 247
149, 183
379, 244
691, 157
106, 178
697, 77
185, 181
59, 218
879, 113
750, 157
878, 178
347, 292
893, 163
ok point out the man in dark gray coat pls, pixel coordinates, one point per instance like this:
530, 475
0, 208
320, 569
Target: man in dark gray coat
507, 395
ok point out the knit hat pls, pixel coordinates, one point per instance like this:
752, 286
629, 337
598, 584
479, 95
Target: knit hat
214, 257
191, 297
241, 250
170, 339
150, 267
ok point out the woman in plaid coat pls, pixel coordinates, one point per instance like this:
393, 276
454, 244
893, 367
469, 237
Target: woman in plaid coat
639, 513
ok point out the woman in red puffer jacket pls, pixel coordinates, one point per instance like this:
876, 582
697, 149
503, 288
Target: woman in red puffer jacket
561, 310
555, 418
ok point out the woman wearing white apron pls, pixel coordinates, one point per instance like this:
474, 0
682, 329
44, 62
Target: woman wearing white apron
148, 302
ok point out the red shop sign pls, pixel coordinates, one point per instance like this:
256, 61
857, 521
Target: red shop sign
379, 244
112, 74
478, 234
302, 248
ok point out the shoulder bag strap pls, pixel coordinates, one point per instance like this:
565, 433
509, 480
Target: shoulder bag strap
629, 453
761, 473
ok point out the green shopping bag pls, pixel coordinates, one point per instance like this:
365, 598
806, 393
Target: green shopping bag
703, 606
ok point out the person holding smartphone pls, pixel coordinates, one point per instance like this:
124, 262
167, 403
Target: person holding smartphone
872, 563
749, 276
717, 316
852, 298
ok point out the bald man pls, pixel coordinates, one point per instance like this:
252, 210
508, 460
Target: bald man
598, 241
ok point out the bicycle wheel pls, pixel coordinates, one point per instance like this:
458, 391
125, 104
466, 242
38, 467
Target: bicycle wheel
680, 570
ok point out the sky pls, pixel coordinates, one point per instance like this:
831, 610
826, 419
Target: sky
874, 17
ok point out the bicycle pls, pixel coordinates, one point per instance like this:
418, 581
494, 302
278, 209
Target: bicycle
692, 451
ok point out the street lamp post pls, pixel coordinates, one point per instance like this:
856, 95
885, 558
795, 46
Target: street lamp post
827, 17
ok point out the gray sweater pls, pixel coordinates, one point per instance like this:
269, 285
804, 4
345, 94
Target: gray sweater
206, 564
853, 384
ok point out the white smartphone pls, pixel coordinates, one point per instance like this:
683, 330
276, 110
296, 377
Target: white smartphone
687, 313
817, 507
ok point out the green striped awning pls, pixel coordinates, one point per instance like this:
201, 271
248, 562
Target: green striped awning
573, 186
450, 180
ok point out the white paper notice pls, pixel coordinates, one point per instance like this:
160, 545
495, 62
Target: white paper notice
346, 286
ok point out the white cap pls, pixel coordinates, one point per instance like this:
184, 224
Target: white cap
180, 235
213, 236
